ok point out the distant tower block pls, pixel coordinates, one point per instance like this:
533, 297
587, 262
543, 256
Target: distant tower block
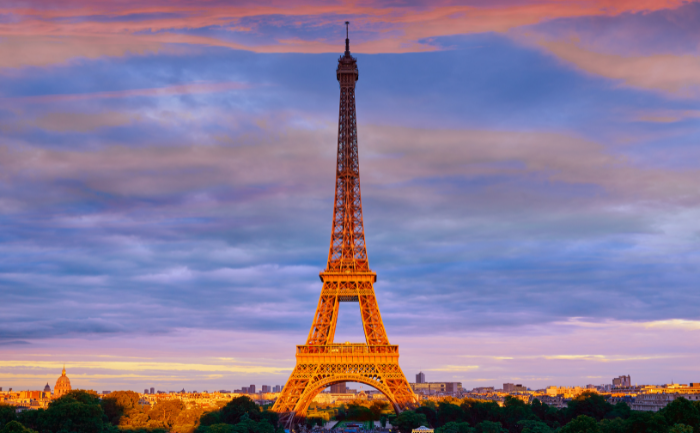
339, 388
347, 278
420, 377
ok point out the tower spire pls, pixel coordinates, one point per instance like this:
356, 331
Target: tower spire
347, 38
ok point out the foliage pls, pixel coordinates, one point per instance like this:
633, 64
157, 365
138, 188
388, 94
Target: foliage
682, 411
83, 412
617, 425
430, 413
408, 420
581, 424
448, 412
7, 414
359, 413
378, 408
680, 428
233, 412
534, 426
77, 411
118, 404
620, 410
646, 422
455, 427
490, 427
15, 427
590, 404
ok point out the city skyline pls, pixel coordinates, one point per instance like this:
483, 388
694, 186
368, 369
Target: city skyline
529, 183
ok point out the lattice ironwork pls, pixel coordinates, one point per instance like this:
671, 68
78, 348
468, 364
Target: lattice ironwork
347, 278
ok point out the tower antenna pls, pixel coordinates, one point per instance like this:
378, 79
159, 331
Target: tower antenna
347, 37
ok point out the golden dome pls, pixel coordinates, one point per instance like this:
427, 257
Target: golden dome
62, 385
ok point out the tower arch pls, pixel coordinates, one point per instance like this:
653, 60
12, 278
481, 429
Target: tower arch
307, 397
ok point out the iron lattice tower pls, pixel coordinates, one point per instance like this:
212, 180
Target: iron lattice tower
347, 278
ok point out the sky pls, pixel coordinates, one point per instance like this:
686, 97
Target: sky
529, 168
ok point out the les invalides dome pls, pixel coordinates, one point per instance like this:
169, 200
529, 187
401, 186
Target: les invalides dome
62, 385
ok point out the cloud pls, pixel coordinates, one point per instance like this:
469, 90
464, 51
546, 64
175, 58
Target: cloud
40, 36
143, 366
675, 74
21, 49
81, 122
689, 325
180, 89
455, 368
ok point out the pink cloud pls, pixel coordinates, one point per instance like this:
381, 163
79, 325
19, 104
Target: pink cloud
44, 34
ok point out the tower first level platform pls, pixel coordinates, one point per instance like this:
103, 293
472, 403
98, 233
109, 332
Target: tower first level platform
319, 367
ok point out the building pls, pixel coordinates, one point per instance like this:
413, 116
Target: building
62, 385
622, 382
339, 388
153, 390
145, 391
266, 389
420, 377
484, 389
251, 389
434, 388
277, 388
47, 388
509, 387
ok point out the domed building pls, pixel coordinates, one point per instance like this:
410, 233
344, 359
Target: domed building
62, 385
47, 388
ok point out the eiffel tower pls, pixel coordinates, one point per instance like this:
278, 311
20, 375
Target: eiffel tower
347, 278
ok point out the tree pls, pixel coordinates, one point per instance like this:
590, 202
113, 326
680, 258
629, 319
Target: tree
539, 408
274, 418
478, 411
620, 410
77, 411
220, 428
490, 427
431, 414
408, 420
646, 422
210, 418
233, 412
15, 427
680, 428
682, 411
7, 414
377, 407
590, 404
455, 427
247, 425
532, 426
581, 424
616, 425
515, 410
118, 404
448, 412
359, 413
164, 413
